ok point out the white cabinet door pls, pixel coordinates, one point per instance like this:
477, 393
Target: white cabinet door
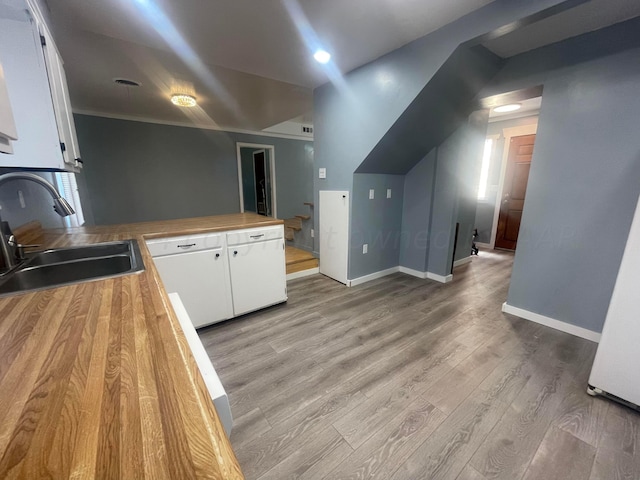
37, 91
7, 124
61, 102
38, 144
258, 277
200, 278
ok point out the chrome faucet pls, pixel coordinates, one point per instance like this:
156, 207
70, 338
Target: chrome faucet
60, 205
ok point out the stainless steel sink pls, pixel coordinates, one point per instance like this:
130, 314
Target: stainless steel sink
65, 266
86, 252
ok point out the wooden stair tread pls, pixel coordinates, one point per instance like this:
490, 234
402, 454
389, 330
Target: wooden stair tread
303, 217
299, 260
294, 255
293, 223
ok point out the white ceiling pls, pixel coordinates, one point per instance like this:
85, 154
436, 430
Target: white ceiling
247, 58
590, 16
251, 60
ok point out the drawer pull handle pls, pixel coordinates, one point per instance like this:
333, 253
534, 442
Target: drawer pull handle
187, 245
257, 236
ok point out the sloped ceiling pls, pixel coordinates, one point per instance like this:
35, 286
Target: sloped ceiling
249, 60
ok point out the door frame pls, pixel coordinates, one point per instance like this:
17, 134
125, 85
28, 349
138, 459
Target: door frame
272, 172
508, 134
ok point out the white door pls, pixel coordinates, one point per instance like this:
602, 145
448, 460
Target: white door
258, 277
334, 234
200, 278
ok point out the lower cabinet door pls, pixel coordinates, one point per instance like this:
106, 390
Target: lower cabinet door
258, 277
200, 278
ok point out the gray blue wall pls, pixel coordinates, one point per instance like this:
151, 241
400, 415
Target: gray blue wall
416, 213
353, 114
584, 180
469, 164
139, 171
376, 222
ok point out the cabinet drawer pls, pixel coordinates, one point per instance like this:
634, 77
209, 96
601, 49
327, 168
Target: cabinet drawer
186, 243
252, 235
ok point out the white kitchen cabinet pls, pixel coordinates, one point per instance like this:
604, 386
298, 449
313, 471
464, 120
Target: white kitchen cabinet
257, 268
196, 268
223, 275
36, 86
8, 132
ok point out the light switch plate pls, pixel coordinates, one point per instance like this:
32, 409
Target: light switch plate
388, 193
313, 234
372, 193
365, 248
322, 173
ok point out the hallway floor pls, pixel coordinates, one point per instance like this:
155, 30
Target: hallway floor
402, 378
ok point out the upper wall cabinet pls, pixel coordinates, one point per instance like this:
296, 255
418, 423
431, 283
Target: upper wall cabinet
37, 90
8, 132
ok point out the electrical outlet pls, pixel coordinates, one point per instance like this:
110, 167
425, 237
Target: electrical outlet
365, 248
322, 173
313, 233
372, 193
388, 193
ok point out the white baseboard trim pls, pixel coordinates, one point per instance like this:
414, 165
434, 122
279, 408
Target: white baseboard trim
412, 272
439, 278
429, 275
372, 276
303, 273
462, 261
552, 322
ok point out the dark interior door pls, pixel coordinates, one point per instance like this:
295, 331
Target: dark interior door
514, 191
260, 172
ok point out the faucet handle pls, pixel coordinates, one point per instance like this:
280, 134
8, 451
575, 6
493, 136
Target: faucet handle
19, 248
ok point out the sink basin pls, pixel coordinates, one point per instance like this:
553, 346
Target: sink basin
63, 255
66, 266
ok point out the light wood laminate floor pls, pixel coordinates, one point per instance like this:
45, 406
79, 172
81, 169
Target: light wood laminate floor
402, 378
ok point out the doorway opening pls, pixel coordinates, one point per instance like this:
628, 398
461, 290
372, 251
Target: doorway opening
257, 178
504, 175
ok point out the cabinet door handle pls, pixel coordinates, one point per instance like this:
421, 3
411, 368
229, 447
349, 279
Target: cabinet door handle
187, 245
217, 255
257, 236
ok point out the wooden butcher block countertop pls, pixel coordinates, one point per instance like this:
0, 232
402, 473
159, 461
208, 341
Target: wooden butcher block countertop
97, 379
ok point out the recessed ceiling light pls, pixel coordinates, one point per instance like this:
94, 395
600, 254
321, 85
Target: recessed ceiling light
511, 107
322, 56
183, 100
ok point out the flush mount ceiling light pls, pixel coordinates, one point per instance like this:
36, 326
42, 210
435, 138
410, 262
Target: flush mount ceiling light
511, 107
183, 100
183, 94
322, 56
